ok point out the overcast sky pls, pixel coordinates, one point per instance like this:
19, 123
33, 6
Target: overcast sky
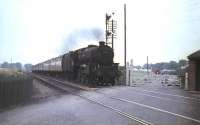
32, 31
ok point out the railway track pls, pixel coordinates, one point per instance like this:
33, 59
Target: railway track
72, 89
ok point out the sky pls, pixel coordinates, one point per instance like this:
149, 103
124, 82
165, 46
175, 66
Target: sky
32, 31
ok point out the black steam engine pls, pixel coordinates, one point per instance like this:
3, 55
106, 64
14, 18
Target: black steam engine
92, 65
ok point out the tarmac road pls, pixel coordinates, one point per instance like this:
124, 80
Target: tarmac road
160, 105
65, 110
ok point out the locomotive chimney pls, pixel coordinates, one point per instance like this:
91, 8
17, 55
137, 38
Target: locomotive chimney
101, 43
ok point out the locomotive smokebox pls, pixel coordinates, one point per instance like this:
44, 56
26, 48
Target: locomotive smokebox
101, 43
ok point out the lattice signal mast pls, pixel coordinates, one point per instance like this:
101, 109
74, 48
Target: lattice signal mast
111, 27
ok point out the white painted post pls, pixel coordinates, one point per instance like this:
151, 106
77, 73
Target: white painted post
186, 81
129, 77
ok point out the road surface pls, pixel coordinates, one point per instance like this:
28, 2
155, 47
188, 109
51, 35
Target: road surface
119, 105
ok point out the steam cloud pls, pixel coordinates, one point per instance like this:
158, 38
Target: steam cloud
81, 35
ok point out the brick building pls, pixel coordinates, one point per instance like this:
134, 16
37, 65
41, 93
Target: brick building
194, 71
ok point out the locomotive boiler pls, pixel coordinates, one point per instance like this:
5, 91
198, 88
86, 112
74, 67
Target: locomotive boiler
92, 65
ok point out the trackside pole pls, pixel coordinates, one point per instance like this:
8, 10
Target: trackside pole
125, 41
129, 77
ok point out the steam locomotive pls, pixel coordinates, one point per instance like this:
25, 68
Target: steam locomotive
92, 65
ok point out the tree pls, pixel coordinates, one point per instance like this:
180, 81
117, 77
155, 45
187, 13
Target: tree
28, 67
16, 66
5, 65
173, 65
183, 62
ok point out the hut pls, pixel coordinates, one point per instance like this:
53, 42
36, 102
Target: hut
194, 71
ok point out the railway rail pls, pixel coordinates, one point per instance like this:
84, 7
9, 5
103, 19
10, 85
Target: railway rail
72, 89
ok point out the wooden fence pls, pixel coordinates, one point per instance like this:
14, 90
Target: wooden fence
15, 89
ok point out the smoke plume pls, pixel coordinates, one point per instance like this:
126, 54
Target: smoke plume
80, 37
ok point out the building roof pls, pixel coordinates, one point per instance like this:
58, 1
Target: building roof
194, 56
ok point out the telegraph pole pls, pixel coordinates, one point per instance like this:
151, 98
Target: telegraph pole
107, 18
11, 66
125, 40
112, 33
